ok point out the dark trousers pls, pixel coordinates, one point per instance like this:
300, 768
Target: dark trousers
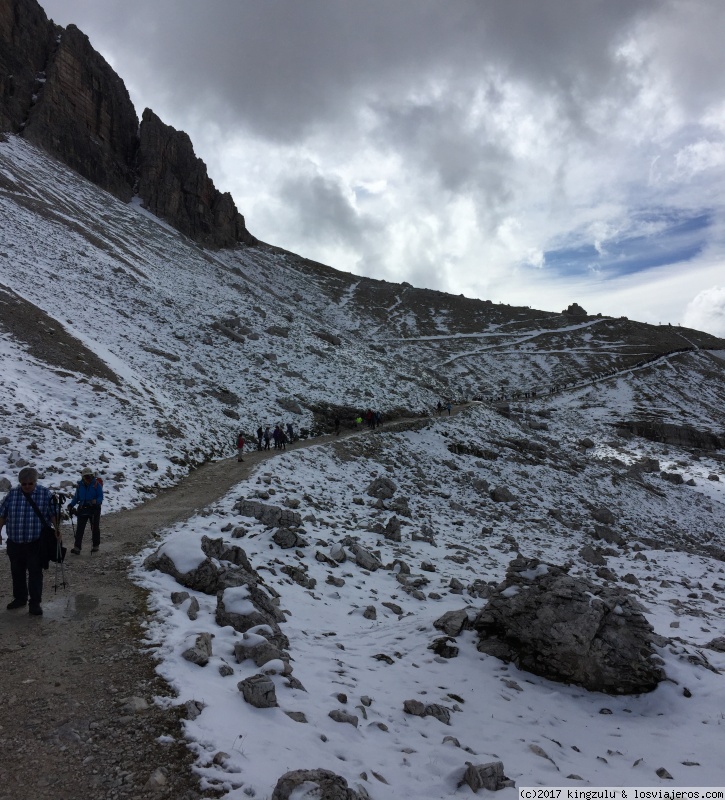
26, 569
94, 517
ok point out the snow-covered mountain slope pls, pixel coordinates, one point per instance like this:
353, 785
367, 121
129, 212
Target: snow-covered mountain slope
127, 346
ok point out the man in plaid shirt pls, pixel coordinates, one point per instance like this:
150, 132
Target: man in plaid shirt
24, 540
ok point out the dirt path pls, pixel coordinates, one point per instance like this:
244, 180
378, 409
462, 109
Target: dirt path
77, 717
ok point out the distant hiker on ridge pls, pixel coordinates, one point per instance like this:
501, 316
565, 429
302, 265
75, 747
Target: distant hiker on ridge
88, 497
240, 447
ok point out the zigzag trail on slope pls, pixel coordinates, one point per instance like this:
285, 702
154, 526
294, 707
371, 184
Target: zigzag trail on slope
75, 682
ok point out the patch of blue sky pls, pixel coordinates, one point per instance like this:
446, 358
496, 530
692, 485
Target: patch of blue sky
653, 239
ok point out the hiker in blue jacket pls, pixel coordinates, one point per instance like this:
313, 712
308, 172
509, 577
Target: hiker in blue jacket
88, 498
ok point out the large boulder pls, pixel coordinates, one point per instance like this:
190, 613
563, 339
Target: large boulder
569, 629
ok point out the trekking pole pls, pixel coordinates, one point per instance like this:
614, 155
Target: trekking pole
59, 500
65, 583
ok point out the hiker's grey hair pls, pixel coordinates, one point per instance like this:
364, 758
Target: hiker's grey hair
28, 474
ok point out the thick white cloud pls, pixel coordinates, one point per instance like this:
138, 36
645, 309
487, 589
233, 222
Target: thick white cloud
535, 153
706, 311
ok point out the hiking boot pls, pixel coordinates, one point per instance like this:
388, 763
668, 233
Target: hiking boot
35, 610
75, 550
13, 604
95, 548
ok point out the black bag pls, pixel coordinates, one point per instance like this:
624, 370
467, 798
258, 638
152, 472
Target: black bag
53, 550
50, 548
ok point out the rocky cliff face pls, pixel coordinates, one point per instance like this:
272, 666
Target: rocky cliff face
27, 38
83, 115
59, 93
174, 185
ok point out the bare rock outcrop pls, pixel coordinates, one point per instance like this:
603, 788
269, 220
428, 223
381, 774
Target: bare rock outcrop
174, 185
83, 115
569, 629
679, 435
27, 38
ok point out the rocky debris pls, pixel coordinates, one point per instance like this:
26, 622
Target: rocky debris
326, 785
330, 338
426, 534
392, 530
278, 330
452, 622
574, 310
382, 488
340, 715
400, 505
245, 608
288, 404
258, 691
241, 601
606, 534
646, 466
287, 538
270, 515
298, 573
208, 577
569, 629
603, 515
229, 331
501, 494
417, 709
259, 649
363, 557
201, 652
672, 477
444, 647
486, 776
592, 556
717, 644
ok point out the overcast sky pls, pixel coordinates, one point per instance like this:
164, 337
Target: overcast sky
535, 152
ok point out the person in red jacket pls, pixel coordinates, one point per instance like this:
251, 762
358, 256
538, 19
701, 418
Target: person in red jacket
240, 447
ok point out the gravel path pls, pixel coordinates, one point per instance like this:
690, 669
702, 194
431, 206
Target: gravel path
77, 717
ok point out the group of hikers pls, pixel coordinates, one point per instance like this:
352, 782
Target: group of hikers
281, 436
32, 514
